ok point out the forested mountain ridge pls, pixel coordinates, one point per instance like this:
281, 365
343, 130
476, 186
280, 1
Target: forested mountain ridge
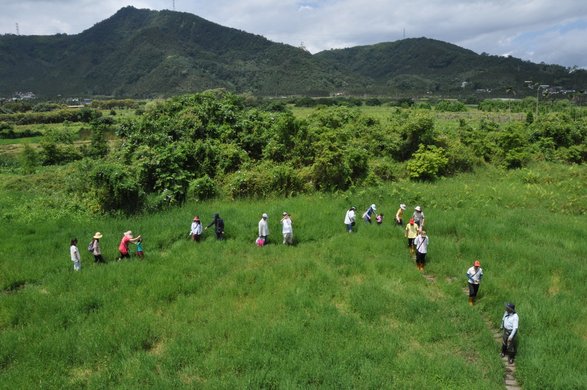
144, 53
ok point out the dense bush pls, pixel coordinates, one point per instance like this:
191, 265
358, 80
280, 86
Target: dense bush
427, 163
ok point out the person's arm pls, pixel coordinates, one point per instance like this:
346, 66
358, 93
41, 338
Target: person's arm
514, 326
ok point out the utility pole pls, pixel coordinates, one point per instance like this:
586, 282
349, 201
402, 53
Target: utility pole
17, 30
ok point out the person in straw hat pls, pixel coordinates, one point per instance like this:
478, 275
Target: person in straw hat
96, 249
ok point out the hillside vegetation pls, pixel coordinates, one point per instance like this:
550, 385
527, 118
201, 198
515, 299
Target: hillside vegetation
334, 310
146, 54
504, 183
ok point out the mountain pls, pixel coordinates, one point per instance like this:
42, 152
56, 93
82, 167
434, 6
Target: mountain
144, 53
428, 65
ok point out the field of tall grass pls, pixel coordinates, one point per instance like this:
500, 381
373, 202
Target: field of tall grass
335, 310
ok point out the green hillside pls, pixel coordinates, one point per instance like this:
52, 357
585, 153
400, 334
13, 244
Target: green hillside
143, 53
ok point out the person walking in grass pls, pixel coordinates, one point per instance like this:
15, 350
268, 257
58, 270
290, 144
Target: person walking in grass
196, 229
474, 276
287, 229
399, 215
75, 255
509, 324
349, 219
264, 228
421, 244
218, 226
369, 213
96, 249
127, 238
418, 217
411, 232
140, 251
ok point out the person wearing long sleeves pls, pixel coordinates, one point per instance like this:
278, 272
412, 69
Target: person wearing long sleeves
264, 228
196, 229
474, 276
74, 254
509, 324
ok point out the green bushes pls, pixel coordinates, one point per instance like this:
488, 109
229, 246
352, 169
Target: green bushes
427, 163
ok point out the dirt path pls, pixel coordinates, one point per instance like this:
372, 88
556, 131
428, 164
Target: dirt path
510, 381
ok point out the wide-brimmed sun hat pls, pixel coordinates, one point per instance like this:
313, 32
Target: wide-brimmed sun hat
265, 215
98, 235
418, 208
402, 206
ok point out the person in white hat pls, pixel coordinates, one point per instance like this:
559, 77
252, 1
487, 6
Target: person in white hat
419, 217
127, 238
370, 211
399, 216
264, 228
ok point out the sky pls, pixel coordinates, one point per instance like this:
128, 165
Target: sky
549, 31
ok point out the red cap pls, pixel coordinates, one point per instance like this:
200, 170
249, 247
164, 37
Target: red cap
477, 263
412, 221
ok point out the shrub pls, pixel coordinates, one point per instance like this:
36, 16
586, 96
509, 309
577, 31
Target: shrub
202, 188
427, 163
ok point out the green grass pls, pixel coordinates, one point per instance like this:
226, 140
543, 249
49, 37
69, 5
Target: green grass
335, 310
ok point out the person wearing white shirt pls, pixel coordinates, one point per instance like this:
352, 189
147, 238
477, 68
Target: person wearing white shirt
474, 276
75, 256
349, 219
421, 244
509, 324
287, 229
264, 228
196, 229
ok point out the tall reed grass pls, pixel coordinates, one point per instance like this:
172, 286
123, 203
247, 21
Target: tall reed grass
334, 310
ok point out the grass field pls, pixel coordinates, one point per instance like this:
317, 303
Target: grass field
335, 310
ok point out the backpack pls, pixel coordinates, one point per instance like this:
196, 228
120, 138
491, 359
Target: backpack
91, 246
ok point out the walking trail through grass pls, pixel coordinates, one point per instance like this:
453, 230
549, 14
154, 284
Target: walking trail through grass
510, 381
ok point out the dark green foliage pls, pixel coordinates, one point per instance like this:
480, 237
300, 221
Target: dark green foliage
450, 106
57, 148
419, 129
116, 187
202, 188
143, 53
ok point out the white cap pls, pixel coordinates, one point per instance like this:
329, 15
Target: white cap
418, 208
265, 215
373, 206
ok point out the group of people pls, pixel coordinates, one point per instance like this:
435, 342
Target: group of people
197, 230
418, 248
414, 231
95, 249
286, 229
